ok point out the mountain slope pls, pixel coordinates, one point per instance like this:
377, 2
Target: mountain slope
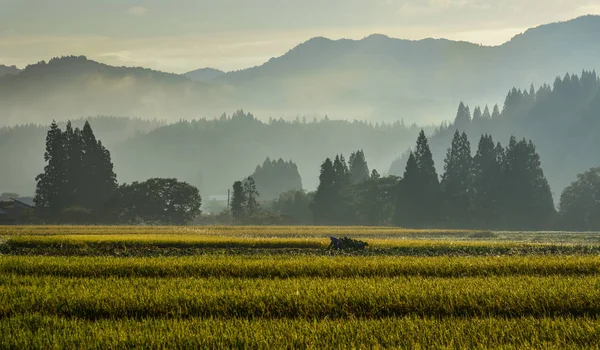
385, 78
71, 87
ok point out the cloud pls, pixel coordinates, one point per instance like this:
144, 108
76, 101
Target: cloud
137, 11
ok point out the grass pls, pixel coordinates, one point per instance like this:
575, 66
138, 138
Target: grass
278, 287
409, 332
31, 332
281, 266
309, 298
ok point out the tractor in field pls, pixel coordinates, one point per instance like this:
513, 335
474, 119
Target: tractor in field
346, 243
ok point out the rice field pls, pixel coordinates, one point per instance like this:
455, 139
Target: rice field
280, 287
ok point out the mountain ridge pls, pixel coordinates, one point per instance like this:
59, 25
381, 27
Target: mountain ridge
375, 78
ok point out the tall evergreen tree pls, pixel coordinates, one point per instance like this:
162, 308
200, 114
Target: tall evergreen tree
419, 193
48, 196
252, 207
74, 171
101, 180
342, 173
325, 196
477, 115
456, 182
486, 113
487, 176
238, 201
528, 200
496, 112
463, 117
359, 170
274, 177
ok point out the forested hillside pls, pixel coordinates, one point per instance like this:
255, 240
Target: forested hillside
562, 119
212, 154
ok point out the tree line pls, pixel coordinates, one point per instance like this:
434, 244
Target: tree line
498, 187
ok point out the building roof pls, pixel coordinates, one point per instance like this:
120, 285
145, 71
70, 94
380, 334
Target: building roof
2, 212
28, 201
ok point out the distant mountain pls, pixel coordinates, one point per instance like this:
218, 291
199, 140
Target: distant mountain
204, 75
74, 86
376, 78
384, 78
4, 70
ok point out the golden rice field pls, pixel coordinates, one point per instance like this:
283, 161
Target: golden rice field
279, 287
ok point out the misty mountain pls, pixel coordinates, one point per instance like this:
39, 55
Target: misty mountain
562, 120
376, 78
204, 75
4, 70
212, 154
385, 78
71, 87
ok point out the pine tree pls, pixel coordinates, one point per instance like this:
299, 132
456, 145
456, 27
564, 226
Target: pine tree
477, 115
486, 113
238, 202
98, 171
405, 211
342, 173
48, 196
457, 181
496, 112
359, 170
325, 195
419, 193
74, 174
528, 202
251, 195
487, 177
463, 117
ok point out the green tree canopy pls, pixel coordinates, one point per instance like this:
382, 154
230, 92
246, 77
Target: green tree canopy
580, 202
157, 201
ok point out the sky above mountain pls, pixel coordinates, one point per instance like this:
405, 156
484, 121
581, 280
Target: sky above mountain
183, 35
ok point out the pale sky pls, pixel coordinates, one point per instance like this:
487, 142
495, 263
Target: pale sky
182, 35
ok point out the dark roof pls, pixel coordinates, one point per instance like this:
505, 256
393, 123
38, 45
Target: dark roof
2, 212
28, 201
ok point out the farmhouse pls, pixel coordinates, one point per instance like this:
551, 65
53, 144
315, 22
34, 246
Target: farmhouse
16, 210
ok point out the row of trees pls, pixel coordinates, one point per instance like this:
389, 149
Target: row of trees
78, 173
497, 188
79, 185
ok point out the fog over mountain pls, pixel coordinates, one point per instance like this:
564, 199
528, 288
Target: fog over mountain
376, 78
176, 133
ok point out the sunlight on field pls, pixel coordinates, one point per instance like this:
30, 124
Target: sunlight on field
264, 287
